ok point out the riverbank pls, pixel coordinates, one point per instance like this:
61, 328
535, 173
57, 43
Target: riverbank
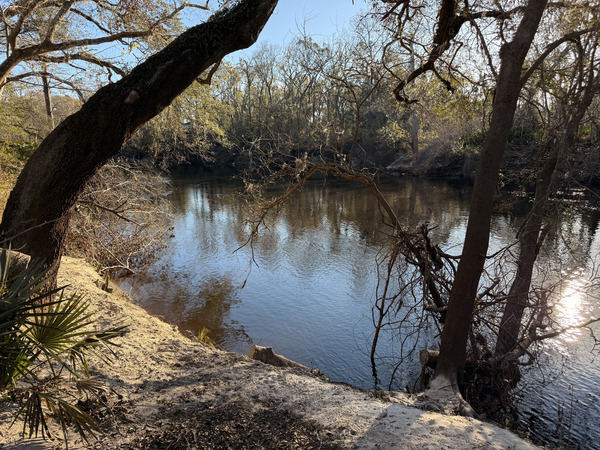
168, 391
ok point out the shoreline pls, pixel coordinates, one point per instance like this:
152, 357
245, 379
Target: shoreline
165, 390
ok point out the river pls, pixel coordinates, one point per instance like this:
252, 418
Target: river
307, 284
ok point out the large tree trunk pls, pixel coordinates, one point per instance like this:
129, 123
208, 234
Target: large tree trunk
37, 213
452, 356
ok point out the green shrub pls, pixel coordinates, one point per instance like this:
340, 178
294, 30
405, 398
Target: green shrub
12, 159
475, 139
20, 151
523, 135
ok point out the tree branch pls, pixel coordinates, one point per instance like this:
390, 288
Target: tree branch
210, 74
62, 12
80, 56
12, 36
540, 59
22, 76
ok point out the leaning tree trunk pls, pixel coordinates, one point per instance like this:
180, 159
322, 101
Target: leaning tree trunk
530, 238
37, 213
459, 316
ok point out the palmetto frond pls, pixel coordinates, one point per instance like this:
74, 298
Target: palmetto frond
46, 331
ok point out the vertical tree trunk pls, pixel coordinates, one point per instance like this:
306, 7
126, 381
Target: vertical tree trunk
415, 131
462, 297
37, 213
413, 112
48, 99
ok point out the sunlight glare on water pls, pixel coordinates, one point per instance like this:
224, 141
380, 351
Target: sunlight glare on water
571, 309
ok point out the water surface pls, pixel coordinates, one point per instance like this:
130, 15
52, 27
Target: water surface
307, 284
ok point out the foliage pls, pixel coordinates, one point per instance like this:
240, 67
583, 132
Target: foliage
204, 337
193, 123
19, 151
45, 340
474, 140
12, 157
23, 114
523, 136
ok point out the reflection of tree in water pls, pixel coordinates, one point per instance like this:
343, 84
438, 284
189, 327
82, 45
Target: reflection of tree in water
210, 308
209, 196
193, 307
332, 219
341, 209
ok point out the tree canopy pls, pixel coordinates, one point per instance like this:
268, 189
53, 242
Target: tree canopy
59, 39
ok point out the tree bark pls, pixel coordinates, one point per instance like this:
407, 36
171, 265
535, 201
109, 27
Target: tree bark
37, 213
530, 238
429, 358
459, 316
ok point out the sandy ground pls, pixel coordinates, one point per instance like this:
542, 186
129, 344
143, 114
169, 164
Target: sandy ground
168, 391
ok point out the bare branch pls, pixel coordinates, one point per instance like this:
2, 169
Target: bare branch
25, 75
81, 56
62, 12
540, 59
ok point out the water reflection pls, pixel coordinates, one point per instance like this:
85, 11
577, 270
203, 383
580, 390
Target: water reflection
191, 303
311, 290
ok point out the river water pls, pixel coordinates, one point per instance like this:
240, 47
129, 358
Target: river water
307, 284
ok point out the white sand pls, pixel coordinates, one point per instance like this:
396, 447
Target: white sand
160, 374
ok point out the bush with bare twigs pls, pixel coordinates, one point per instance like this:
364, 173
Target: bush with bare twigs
121, 219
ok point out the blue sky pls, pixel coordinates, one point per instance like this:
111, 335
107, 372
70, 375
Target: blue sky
322, 18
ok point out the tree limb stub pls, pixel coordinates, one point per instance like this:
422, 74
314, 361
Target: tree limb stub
428, 358
56, 173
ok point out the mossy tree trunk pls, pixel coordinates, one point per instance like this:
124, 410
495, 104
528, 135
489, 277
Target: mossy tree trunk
37, 213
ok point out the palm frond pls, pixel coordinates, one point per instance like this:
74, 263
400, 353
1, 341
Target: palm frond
47, 330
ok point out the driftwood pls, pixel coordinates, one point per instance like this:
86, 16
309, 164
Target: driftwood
268, 356
428, 358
